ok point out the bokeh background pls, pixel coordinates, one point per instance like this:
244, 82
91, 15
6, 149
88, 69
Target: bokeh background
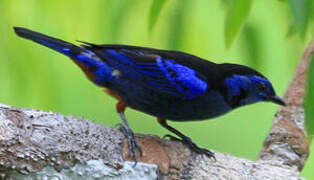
36, 77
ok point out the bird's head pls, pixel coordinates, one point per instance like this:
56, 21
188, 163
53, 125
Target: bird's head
246, 86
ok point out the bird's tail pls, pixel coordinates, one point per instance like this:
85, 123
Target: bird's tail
61, 46
97, 71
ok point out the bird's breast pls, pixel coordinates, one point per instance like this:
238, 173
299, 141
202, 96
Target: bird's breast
207, 106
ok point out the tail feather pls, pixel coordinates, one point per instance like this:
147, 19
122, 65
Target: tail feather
96, 69
59, 45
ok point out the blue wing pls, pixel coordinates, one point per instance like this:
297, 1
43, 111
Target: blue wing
154, 71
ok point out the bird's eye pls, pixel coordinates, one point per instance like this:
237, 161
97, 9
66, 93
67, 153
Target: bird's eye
262, 87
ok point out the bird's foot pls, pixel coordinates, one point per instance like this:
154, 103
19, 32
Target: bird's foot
132, 145
192, 146
172, 138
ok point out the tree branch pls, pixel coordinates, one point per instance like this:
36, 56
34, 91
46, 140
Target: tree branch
286, 143
37, 144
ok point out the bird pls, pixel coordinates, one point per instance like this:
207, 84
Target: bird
170, 85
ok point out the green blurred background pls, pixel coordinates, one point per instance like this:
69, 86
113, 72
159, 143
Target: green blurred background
36, 77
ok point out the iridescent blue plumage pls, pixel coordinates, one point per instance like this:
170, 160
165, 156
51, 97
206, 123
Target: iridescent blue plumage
170, 85
248, 89
162, 74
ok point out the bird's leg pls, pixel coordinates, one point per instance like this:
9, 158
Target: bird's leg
127, 131
186, 140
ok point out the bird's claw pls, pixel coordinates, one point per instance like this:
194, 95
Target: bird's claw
192, 146
172, 138
197, 149
120, 127
207, 153
132, 145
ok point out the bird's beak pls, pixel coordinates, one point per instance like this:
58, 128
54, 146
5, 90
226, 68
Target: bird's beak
277, 100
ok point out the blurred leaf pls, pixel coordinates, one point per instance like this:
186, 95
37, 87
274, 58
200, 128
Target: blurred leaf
237, 13
252, 45
154, 12
225, 2
176, 27
291, 31
117, 11
301, 10
309, 99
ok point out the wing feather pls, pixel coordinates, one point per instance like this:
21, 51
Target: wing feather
156, 72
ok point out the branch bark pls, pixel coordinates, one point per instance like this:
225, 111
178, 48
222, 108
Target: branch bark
286, 143
37, 144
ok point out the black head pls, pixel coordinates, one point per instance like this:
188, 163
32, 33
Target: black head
244, 85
